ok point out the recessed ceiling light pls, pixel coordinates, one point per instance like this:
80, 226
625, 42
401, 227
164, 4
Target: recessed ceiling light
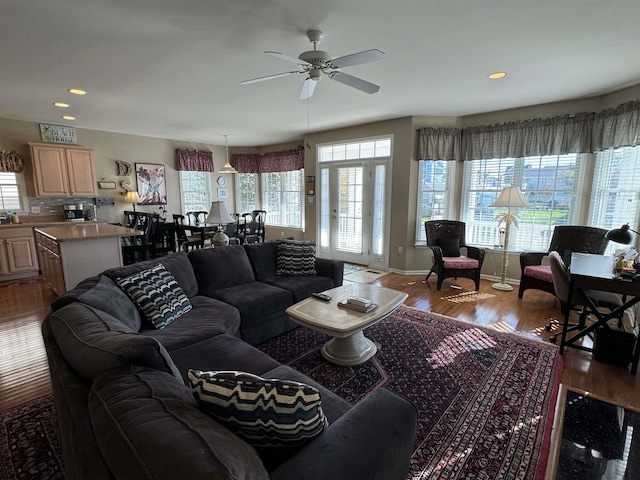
77, 91
69, 117
61, 105
496, 75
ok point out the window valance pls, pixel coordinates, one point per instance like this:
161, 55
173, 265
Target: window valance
580, 133
11, 161
194, 160
277, 161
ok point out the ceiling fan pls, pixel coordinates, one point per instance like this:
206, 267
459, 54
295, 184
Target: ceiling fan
314, 63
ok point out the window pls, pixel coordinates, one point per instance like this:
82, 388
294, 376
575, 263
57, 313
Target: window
247, 192
550, 183
194, 189
282, 198
351, 151
614, 195
435, 184
10, 196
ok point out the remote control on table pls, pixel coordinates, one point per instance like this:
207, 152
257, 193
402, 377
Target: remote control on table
322, 296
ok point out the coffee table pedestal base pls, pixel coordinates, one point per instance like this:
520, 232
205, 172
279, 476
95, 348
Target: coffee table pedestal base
348, 351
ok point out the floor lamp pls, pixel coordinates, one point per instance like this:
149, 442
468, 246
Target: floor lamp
510, 197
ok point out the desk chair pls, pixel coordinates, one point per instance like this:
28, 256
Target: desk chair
561, 285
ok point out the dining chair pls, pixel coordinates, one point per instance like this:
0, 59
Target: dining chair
186, 241
561, 281
446, 238
231, 230
141, 247
565, 239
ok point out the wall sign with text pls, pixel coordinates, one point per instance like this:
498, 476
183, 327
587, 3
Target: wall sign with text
57, 133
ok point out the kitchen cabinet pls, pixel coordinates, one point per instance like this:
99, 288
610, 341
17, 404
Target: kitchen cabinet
50, 262
17, 253
62, 171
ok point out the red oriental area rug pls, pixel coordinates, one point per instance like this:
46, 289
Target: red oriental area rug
485, 399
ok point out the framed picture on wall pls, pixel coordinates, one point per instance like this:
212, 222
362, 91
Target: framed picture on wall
223, 193
152, 188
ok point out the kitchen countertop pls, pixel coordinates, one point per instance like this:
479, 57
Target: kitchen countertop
49, 223
87, 231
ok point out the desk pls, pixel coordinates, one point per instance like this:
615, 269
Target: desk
594, 272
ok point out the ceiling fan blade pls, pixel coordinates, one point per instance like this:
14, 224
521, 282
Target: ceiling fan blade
288, 58
355, 82
268, 77
308, 87
368, 56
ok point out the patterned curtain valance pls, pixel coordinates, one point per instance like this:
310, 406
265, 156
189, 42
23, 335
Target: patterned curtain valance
194, 160
439, 143
584, 132
617, 127
11, 161
280, 161
540, 136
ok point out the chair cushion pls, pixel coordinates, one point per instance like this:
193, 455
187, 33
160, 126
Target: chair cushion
157, 294
296, 258
541, 272
461, 262
266, 413
450, 246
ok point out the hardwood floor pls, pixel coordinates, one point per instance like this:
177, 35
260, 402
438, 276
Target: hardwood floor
24, 373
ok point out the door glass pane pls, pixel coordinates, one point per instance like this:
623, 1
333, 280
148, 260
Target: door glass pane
349, 209
325, 210
377, 247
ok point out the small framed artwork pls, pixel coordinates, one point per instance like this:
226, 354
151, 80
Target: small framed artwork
223, 193
103, 184
152, 188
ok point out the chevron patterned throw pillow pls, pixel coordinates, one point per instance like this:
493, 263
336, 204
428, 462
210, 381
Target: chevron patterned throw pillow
265, 413
157, 295
296, 257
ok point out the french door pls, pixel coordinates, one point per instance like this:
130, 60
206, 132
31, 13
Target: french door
353, 211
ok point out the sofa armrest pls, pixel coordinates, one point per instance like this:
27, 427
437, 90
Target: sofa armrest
333, 269
373, 440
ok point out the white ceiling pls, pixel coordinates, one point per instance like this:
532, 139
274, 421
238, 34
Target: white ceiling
171, 68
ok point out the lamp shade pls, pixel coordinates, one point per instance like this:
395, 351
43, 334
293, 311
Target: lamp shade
620, 235
218, 214
511, 197
132, 197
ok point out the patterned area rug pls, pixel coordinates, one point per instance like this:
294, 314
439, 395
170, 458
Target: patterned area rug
29, 447
485, 399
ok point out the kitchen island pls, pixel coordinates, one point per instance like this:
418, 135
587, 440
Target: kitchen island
68, 255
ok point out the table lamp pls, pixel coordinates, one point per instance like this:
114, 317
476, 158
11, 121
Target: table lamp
621, 235
510, 197
132, 197
218, 215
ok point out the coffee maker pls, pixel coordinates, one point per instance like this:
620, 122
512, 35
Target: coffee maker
74, 213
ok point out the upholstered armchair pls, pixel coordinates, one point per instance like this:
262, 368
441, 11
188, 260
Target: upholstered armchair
565, 239
446, 238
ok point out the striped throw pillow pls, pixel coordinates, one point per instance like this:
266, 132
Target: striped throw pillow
296, 258
265, 413
157, 295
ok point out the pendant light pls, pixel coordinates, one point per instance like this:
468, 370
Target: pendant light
227, 166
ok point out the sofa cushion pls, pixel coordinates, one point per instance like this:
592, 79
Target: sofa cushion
450, 246
296, 258
208, 317
219, 268
265, 412
93, 342
263, 258
301, 287
157, 294
177, 263
255, 300
102, 293
148, 425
